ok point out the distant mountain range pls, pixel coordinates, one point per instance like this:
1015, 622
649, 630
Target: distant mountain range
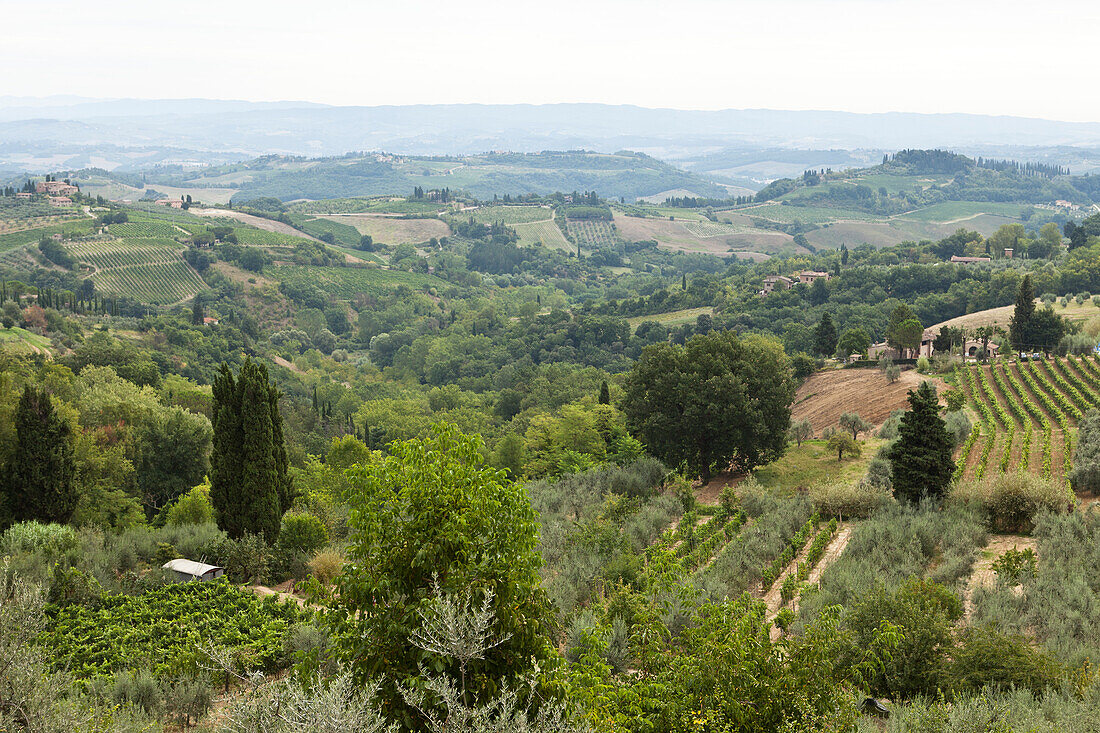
66, 132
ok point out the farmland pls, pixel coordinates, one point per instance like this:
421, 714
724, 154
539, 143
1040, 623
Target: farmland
826, 395
592, 233
345, 282
1027, 412
389, 230
510, 215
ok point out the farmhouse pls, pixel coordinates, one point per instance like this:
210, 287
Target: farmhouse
772, 282
186, 570
808, 276
208, 321
174, 203
55, 188
23, 195
968, 260
60, 200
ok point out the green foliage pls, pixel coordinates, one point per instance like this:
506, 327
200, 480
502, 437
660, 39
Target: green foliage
249, 488
842, 443
987, 658
194, 507
920, 459
51, 540
1011, 500
718, 400
163, 629
1016, 564
302, 533
40, 478
1085, 475
434, 512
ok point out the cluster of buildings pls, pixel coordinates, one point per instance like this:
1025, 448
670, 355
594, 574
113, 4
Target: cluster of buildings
57, 191
781, 282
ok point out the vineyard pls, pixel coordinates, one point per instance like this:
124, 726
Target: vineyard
545, 233
592, 233
1027, 412
149, 270
164, 629
510, 215
712, 229
145, 230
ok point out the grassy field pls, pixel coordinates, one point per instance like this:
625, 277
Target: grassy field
813, 463
346, 282
20, 339
672, 318
388, 230
1001, 316
951, 211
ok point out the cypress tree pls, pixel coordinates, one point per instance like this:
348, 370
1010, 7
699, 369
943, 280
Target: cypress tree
825, 336
249, 486
920, 459
1019, 328
41, 478
605, 394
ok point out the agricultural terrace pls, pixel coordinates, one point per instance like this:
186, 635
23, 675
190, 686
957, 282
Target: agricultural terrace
391, 230
541, 233
510, 215
150, 270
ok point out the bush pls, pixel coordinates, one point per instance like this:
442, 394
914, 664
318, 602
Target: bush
326, 565
923, 365
1011, 500
1076, 343
1048, 298
987, 658
1014, 564
889, 429
955, 398
192, 508
302, 533
959, 426
846, 500
33, 537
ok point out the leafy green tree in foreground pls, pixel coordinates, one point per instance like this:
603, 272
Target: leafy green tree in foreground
717, 400
920, 459
41, 477
249, 487
433, 518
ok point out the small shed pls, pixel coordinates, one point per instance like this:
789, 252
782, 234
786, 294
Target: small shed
186, 570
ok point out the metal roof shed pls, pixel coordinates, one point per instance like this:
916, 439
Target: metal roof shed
191, 570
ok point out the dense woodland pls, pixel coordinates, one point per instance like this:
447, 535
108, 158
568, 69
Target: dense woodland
476, 478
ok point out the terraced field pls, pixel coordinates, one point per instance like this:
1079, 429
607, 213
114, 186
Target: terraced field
1027, 415
145, 229
510, 215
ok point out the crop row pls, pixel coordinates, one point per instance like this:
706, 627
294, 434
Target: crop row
1035, 413
144, 229
1020, 414
151, 283
1071, 370
987, 423
975, 432
793, 583
706, 549
790, 550
1032, 372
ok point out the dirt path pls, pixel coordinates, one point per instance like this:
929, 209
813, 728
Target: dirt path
259, 222
263, 590
832, 553
983, 576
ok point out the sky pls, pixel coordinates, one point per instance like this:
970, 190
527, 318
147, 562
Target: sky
1031, 59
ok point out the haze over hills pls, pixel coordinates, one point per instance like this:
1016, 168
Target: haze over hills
37, 135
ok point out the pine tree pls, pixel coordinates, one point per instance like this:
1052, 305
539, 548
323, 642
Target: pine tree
41, 477
249, 486
1019, 328
920, 459
825, 336
605, 393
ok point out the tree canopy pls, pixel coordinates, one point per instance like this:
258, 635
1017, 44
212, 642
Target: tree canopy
920, 459
716, 401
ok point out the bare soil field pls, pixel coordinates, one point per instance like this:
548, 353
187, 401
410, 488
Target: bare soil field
388, 230
825, 396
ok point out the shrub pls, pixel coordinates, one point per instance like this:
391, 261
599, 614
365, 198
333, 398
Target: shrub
33, 537
923, 365
958, 425
1011, 500
889, 429
893, 374
955, 398
1015, 564
1048, 298
302, 533
192, 508
326, 565
987, 658
1085, 475
846, 500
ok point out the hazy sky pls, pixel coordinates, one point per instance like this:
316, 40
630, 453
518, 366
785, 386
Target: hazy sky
1006, 57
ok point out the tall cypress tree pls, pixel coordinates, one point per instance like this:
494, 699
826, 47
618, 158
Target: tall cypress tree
249, 486
825, 336
41, 478
1019, 328
920, 459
